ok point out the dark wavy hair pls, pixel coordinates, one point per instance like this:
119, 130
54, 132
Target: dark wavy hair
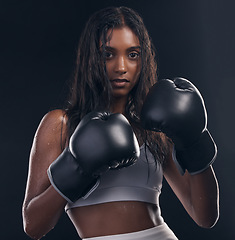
91, 89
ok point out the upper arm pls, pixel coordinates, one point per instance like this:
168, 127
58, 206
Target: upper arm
46, 147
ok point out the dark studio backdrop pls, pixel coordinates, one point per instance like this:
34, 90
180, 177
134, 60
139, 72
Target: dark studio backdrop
38, 40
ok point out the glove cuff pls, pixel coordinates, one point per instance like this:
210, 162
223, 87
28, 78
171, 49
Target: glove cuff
198, 157
68, 179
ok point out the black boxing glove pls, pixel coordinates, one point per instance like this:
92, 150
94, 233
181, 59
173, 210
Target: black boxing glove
176, 108
101, 141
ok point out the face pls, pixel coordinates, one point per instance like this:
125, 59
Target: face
122, 60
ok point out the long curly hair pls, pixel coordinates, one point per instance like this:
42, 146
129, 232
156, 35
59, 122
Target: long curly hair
91, 89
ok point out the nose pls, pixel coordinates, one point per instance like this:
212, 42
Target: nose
121, 65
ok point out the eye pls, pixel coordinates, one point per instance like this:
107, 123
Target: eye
133, 55
108, 55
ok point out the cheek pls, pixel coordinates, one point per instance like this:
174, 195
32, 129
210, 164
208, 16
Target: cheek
136, 70
108, 68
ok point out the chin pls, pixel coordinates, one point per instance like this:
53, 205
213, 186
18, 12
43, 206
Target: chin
121, 92
117, 94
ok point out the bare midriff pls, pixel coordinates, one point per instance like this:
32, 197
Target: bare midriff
114, 218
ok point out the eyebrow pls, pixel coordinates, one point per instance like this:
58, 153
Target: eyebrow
130, 48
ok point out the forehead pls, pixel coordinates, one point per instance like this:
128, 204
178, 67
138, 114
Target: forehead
122, 37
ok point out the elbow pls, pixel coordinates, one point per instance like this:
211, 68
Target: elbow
31, 228
208, 224
36, 223
209, 221
31, 231
28, 227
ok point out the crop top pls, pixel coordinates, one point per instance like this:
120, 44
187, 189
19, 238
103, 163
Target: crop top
139, 182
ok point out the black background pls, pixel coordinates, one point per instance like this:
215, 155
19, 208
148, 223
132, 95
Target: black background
38, 40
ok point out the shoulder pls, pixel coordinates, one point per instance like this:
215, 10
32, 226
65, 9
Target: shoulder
54, 117
52, 129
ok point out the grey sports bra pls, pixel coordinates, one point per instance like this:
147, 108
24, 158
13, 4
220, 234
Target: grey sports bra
139, 182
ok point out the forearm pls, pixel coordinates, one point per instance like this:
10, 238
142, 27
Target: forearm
204, 198
41, 213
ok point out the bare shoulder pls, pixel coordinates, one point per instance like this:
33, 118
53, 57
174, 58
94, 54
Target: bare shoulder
52, 127
55, 118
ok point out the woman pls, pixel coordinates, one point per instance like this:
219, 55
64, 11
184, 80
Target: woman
115, 70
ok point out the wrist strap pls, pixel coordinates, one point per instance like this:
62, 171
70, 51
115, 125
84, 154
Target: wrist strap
197, 157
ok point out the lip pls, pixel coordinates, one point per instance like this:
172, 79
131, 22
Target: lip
119, 82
